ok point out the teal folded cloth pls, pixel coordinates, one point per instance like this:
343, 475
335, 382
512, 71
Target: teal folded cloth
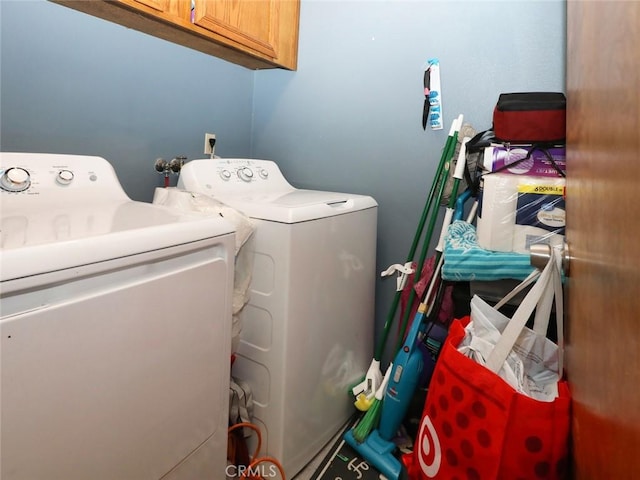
465, 260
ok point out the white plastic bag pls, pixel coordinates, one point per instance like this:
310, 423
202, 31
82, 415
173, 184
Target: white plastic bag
523, 357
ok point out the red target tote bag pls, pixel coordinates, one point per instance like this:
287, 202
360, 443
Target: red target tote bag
475, 424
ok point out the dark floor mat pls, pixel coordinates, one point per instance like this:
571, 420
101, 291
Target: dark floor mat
344, 463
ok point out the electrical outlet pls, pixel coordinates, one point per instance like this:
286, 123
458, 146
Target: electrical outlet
208, 148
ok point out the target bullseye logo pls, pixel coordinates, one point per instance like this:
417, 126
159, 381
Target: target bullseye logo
429, 451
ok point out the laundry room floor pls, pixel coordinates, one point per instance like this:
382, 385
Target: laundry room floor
309, 471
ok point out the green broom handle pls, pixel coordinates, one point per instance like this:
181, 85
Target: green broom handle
457, 178
451, 139
447, 155
421, 260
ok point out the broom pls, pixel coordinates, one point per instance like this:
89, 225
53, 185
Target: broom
370, 419
448, 218
365, 390
372, 415
448, 154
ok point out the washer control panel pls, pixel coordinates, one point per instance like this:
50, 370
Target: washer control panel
245, 172
221, 175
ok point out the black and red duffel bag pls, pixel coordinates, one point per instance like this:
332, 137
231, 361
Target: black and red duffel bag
530, 117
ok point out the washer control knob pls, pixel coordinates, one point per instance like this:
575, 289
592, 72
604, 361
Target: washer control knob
263, 173
15, 179
64, 177
245, 174
225, 175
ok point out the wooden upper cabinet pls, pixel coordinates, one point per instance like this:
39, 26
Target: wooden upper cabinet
253, 24
253, 33
160, 5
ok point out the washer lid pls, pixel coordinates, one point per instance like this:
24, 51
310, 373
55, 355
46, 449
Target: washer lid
295, 205
37, 239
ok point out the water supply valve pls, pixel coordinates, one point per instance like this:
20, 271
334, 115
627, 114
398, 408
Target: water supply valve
167, 167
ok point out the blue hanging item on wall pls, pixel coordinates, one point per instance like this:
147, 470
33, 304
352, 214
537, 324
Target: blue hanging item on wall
432, 110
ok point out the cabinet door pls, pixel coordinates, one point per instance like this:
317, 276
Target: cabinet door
253, 24
160, 5
252, 33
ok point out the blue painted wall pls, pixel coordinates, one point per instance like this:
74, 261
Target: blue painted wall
348, 119
72, 83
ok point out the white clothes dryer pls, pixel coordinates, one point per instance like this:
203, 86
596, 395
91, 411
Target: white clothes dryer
115, 328
308, 327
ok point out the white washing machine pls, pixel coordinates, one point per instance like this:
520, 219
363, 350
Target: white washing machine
115, 328
308, 327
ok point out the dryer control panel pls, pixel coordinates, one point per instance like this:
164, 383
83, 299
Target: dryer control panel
53, 177
222, 175
49, 198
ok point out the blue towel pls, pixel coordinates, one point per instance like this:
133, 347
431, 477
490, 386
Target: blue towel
465, 260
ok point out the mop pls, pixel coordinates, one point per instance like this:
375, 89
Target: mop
364, 391
378, 447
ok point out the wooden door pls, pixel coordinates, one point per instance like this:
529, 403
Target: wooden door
603, 231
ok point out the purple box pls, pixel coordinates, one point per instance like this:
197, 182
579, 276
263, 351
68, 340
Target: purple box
538, 164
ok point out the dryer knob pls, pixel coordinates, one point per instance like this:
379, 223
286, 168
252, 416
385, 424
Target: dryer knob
245, 174
15, 179
225, 175
263, 173
64, 177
